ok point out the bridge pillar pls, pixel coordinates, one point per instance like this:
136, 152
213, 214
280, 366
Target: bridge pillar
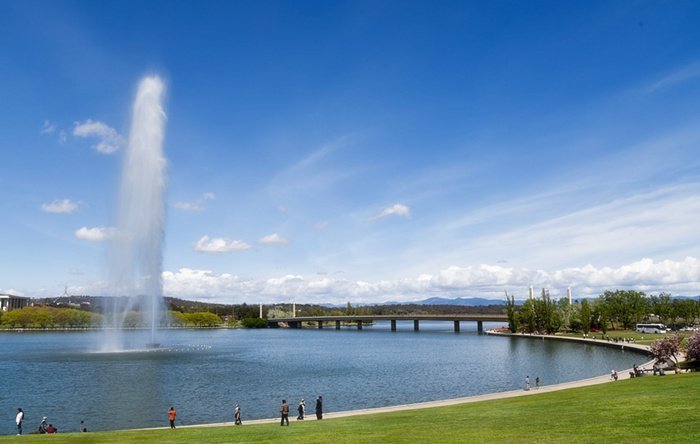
456, 326
337, 325
393, 325
320, 324
480, 326
415, 324
359, 325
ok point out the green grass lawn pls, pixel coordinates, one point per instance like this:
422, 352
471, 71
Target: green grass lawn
639, 338
651, 409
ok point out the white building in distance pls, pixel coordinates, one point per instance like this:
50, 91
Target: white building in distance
10, 302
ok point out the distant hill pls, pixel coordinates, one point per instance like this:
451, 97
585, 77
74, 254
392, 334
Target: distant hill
462, 302
471, 302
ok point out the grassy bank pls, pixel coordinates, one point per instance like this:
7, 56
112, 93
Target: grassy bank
643, 410
639, 338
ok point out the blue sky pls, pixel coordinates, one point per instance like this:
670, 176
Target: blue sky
359, 151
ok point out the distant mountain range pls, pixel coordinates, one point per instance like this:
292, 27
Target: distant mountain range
479, 302
471, 302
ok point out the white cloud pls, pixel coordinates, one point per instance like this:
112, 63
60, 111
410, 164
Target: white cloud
273, 239
65, 206
197, 205
48, 127
219, 245
200, 283
109, 139
320, 225
484, 280
12, 292
96, 234
394, 210
62, 137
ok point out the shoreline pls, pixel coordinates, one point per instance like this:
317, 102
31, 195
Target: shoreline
622, 374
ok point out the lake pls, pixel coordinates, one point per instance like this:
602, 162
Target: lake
204, 373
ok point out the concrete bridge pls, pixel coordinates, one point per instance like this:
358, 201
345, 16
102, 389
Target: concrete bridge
296, 322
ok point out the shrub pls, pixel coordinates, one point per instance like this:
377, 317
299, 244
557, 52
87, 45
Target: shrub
254, 323
693, 349
692, 365
203, 319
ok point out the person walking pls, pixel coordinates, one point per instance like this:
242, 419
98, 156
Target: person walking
285, 413
537, 382
171, 415
19, 419
237, 415
319, 407
527, 382
301, 409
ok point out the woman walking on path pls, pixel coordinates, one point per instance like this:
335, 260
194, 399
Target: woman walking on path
301, 409
237, 415
19, 419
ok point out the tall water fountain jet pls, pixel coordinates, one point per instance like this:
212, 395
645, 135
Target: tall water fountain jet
137, 255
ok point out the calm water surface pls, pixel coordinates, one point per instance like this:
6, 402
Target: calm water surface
206, 372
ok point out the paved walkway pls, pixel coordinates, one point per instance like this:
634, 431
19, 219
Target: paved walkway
622, 374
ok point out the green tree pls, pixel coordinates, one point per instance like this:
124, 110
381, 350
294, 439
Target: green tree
19, 318
586, 316
662, 307
547, 318
133, 319
512, 314
625, 307
686, 310
566, 312
203, 319
177, 319
279, 312
575, 317
247, 311
254, 323
527, 316
43, 317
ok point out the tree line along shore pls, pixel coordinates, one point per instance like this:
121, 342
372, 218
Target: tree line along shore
612, 310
